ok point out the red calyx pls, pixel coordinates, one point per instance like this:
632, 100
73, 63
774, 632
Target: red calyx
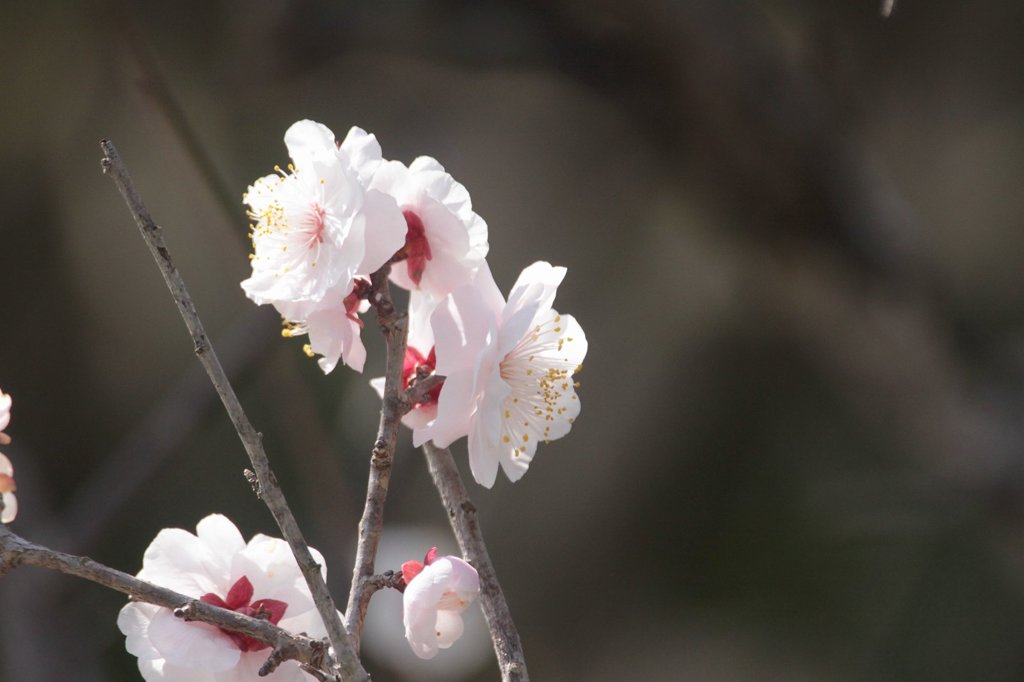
416, 251
238, 600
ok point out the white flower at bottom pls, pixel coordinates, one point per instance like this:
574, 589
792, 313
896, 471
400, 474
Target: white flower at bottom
7, 486
217, 566
435, 596
508, 370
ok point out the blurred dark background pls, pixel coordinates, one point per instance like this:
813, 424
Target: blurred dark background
794, 239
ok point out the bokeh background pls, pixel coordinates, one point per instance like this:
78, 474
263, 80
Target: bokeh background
794, 237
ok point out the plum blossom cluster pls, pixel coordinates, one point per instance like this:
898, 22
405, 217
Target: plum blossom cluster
259, 578
7, 485
435, 593
341, 212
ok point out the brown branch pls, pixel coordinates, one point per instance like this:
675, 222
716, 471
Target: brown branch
348, 663
394, 326
463, 518
16, 551
420, 388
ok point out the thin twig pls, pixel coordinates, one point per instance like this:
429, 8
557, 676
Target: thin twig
394, 326
463, 518
16, 551
419, 389
349, 666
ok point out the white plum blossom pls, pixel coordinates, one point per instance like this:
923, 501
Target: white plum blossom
446, 242
317, 228
217, 566
436, 593
508, 368
7, 484
420, 359
333, 326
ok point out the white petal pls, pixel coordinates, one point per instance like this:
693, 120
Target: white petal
364, 151
426, 163
10, 508
159, 670
180, 561
421, 306
537, 284
5, 465
487, 430
335, 336
219, 534
307, 140
377, 384
191, 644
384, 231
133, 622
5, 410
484, 455
449, 628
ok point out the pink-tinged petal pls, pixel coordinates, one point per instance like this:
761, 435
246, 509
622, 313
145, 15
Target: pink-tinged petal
383, 232
421, 416
5, 465
307, 140
484, 455
432, 601
335, 336
463, 324
421, 306
191, 645
485, 444
454, 408
10, 508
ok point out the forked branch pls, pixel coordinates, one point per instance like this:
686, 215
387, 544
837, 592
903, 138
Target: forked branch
348, 665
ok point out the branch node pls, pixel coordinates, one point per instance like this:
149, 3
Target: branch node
254, 483
187, 612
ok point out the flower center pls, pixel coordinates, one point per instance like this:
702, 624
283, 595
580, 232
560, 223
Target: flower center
239, 600
417, 249
540, 377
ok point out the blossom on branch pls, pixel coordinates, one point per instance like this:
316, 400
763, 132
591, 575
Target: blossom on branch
420, 360
436, 593
445, 241
260, 578
508, 368
317, 227
7, 485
